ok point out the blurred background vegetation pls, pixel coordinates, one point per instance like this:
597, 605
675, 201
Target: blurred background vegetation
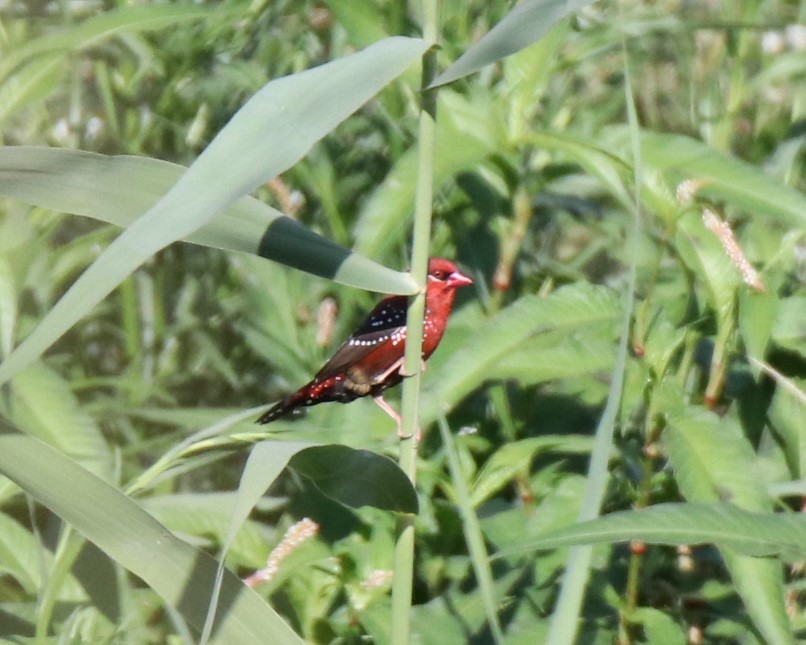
535, 200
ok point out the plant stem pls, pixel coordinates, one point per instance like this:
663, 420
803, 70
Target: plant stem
565, 620
404, 546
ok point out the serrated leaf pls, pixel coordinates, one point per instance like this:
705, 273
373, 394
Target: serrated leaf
714, 461
609, 169
745, 186
545, 359
756, 534
574, 306
357, 477
512, 458
271, 132
44, 406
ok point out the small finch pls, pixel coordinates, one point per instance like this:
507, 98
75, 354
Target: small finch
370, 360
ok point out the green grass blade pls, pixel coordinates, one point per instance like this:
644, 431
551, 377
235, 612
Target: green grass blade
565, 621
179, 573
473, 534
265, 463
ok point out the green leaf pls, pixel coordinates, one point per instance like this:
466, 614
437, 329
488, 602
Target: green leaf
658, 626
271, 132
362, 22
701, 251
118, 189
605, 166
182, 575
787, 416
207, 515
31, 69
465, 136
556, 356
8, 307
737, 182
756, 534
473, 534
527, 23
713, 461
757, 315
23, 557
93, 30
513, 458
789, 328
45, 407
357, 477
569, 308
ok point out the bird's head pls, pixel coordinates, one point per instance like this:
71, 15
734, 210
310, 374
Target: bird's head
444, 273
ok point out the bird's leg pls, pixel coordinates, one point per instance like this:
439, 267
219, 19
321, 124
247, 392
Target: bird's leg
391, 412
422, 368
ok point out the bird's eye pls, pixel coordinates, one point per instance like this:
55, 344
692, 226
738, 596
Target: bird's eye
439, 274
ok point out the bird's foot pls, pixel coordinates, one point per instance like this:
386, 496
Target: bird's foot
405, 435
398, 421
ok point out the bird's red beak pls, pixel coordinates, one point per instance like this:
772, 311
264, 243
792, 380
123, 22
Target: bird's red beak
458, 279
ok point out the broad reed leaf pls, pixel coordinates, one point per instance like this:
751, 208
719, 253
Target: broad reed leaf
271, 132
181, 574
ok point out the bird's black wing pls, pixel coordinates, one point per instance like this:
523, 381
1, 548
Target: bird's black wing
387, 319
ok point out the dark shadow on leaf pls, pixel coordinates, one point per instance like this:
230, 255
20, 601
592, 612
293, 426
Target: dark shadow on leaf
282, 242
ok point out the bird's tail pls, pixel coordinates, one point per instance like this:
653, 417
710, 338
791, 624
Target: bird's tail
281, 408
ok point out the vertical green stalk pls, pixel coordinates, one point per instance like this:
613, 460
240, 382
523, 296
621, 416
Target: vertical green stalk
421, 237
473, 533
565, 620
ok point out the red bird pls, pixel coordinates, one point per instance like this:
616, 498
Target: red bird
371, 359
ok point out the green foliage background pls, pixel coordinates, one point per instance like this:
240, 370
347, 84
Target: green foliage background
558, 172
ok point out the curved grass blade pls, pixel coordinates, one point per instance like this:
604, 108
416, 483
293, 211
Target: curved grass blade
181, 574
270, 133
720, 523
